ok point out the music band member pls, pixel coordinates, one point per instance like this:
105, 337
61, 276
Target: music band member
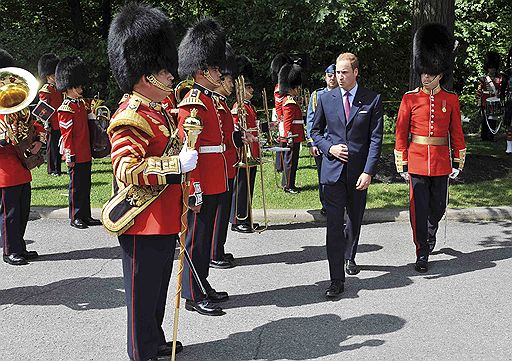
431, 115
290, 81
330, 84
15, 178
241, 218
202, 56
353, 116
50, 95
489, 86
71, 78
233, 140
146, 159
506, 94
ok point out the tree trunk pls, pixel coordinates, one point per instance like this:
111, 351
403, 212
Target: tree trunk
77, 19
432, 11
106, 17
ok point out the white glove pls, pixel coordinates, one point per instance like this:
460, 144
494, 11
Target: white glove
454, 174
188, 159
405, 176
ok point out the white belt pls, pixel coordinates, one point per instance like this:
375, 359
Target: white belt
298, 121
212, 148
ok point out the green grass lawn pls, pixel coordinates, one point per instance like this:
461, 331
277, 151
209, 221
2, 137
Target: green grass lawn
52, 191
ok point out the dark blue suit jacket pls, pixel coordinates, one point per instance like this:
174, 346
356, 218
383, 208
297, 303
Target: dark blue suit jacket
362, 133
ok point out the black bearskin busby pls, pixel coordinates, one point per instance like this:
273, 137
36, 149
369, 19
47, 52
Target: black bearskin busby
245, 69
71, 72
203, 45
141, 42
433, 49
230, 66
276, 65
492, 60
290, 76
46, 65
6, 60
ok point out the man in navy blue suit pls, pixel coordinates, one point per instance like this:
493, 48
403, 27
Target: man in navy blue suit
351, 150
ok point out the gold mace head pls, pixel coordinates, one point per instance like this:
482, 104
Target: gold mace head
192, 127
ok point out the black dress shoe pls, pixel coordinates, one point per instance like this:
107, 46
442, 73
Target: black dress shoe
30, 254
291, 190
166, 348
222, 264
15, 259
243, 228
335, 289
78, 223
215, 296
421, 264
228, 257
204, 307
323, 212
431, 245
92, 222
351, 268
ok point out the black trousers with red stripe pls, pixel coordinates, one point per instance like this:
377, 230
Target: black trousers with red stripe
80, 191
52, 152
14, 212
239, 207
147, 268
220, 229
427, 204
199, 247
290, 165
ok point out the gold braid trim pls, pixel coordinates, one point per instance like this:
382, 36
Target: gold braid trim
399, 161
131, 118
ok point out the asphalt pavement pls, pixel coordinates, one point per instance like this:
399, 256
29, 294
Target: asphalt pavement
69, 304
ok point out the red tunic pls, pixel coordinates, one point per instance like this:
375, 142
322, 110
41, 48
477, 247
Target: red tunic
429, 116
292, 119
211, 171
251, 124
138, 134
74, 126
170, 106
49, 94
228, 127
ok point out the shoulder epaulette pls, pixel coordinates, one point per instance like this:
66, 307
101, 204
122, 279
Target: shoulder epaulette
289, 100
130, 117
66, 107
124, 97
449, 91
44, 89
413, 91
192, 98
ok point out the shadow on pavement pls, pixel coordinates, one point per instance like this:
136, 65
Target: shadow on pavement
297, 338
94, 253
78, 294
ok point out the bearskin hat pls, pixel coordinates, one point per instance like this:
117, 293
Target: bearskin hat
6, 59
203, 45
492, 60
46, 65
140, 42
290, 76
230, 66
276, 65
71, 72
245, 69
433, 49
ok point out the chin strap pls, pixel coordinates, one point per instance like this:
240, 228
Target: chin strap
208, 77
157, 83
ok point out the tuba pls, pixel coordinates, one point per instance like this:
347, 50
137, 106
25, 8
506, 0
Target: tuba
99, 119
18, 88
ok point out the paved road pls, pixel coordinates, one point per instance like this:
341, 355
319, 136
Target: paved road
69, 305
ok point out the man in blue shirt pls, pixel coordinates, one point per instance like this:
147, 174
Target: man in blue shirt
331, 83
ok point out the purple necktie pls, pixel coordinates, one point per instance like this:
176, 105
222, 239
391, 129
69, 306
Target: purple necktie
347, 106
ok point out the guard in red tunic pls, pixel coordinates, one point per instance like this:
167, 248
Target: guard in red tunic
50, 95
290, 81
71, 77
202, 56
148, 168
246, 174
233, 140
436, 151
15, 187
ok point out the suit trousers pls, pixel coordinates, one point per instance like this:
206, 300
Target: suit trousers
199, 245
240, 205
147, 267
80, 191
220, 230
318, 162
342, 240
290, 165
53, 155
14, 212
427, 204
